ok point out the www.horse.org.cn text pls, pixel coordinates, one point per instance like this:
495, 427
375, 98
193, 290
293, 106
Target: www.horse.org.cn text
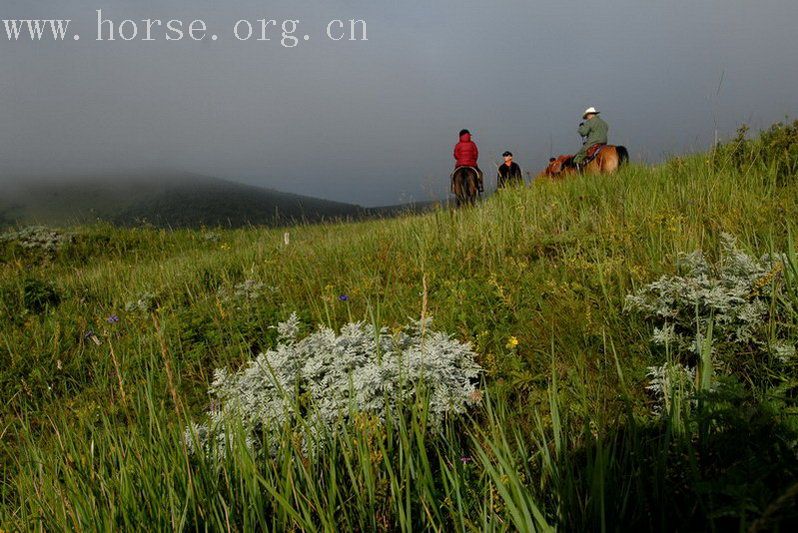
285, 33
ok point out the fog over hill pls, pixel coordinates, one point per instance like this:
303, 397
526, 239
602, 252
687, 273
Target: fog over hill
170, 200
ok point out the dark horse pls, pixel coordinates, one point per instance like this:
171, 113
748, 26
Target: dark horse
464, 185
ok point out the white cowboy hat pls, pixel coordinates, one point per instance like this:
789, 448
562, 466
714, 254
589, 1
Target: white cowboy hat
590, 111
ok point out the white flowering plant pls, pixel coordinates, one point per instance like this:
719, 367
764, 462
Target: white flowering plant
733, 317
742, 297
246, 292
211, 236
37, 238
144, 303
672, 387
328, 378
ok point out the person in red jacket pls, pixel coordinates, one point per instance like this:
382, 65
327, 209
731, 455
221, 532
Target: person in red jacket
466, 154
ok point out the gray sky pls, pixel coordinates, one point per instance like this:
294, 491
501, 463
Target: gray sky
374, 122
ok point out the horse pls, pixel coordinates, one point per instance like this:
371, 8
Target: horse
464, 185
606, 160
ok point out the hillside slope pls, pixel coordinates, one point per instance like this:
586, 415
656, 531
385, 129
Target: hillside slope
108, 346
168, 201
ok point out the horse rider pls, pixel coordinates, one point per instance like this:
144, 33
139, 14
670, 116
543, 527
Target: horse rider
466, 154
509, 172
594, 133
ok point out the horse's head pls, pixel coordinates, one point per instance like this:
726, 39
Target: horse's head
557, 166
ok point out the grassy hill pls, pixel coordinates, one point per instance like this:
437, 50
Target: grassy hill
108, 342
169, 201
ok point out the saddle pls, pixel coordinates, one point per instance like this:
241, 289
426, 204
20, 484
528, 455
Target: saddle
593, 152
476, 170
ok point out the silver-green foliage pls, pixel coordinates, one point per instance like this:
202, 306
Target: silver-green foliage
144, 303
735, 295
668, 384
248, 291
37, 238
329, 377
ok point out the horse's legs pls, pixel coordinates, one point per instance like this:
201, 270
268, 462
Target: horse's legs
463, 188
606, 162
613, 160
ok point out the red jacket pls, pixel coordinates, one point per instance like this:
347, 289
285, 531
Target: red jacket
466, 152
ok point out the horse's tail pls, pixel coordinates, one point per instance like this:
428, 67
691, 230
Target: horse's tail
623, 155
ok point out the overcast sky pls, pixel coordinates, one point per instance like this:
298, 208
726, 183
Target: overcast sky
374, 122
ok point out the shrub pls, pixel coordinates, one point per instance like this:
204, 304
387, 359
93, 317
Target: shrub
37, 238
668, 383
740, 297
775, 148
37, 296
329, 378
145, 303
248, 291
211, 236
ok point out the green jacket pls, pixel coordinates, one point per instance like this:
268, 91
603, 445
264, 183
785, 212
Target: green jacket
595, 130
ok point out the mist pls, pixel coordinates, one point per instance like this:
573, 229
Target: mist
373, 122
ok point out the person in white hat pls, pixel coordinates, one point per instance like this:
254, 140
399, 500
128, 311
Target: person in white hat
594, 131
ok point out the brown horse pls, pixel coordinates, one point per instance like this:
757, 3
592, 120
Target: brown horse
609, 159
464, 185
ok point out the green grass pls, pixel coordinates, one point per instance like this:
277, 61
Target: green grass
92, 435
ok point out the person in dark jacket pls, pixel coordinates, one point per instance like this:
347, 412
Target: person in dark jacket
509, 172
466, 154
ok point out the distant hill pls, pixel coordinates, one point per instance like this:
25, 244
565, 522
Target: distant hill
173, 201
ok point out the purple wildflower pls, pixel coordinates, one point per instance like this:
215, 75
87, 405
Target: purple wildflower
344, 298
113, 319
